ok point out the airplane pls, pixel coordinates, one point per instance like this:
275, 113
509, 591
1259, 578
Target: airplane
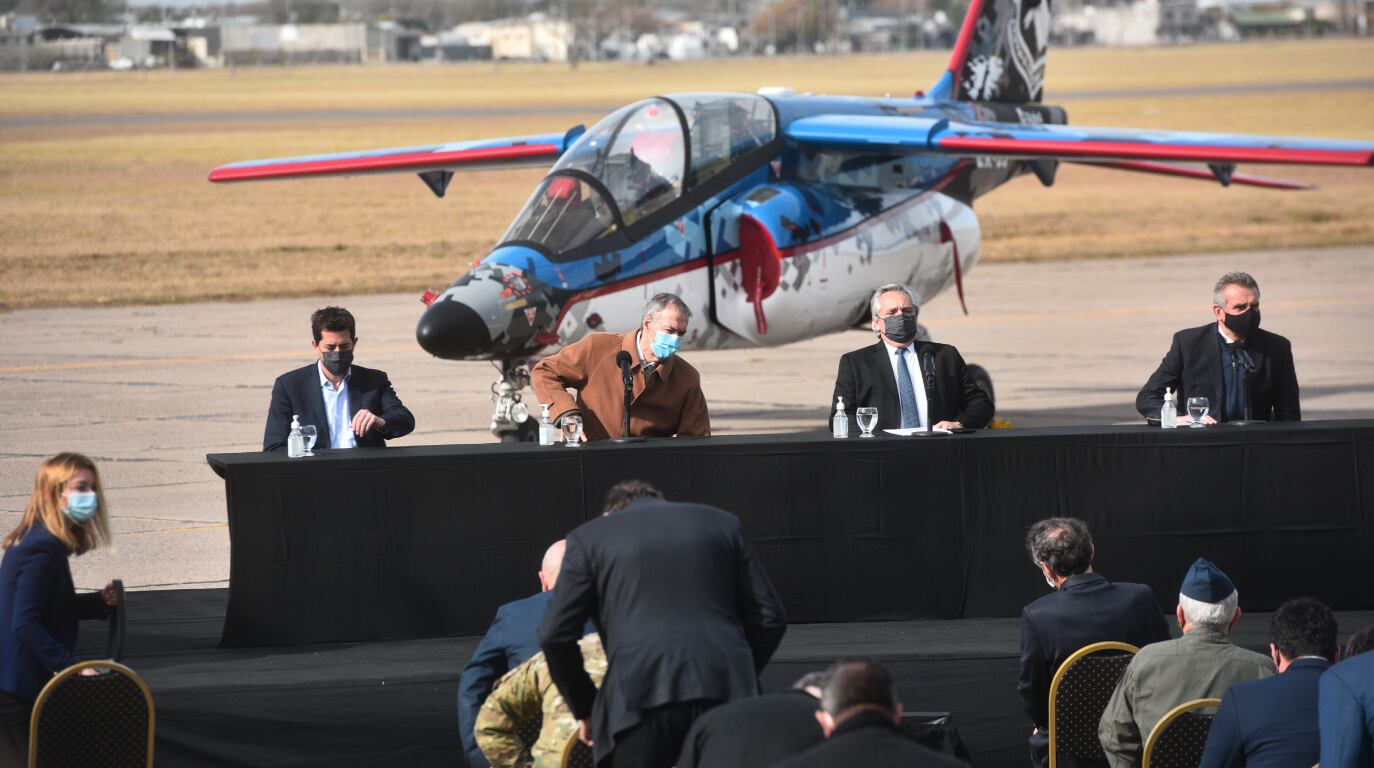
773, 215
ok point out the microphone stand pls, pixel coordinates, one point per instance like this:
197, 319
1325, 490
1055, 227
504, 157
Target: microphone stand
1244, 367
629, 382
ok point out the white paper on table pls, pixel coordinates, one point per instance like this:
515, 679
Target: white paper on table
917, 431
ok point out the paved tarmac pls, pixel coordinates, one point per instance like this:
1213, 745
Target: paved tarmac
149, 391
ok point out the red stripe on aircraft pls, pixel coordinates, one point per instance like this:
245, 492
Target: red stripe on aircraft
1202, 173
412, 161
1140, 151
956, 61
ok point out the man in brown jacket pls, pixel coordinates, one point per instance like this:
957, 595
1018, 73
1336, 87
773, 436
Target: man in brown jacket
667, 397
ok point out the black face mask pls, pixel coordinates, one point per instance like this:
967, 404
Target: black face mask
900, 328
1244, 324
337, 362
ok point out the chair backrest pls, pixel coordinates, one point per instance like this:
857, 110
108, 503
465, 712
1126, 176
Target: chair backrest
577, 755
528, 731
1179, 737
114, 647
1079, 693
82, 720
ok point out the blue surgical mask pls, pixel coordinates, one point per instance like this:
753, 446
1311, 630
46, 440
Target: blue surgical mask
81, 506
666, 344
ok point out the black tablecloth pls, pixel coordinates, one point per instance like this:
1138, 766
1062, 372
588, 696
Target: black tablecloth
423, 541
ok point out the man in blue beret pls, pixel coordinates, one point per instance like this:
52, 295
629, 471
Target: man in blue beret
1201, 664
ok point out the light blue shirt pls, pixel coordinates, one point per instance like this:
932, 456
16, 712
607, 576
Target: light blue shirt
336, 410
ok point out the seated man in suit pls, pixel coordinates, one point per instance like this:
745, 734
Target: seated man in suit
911, 383
1345, 709
1200, 665
348, 404
1084, 608
1230, 361
512, 639
759, 731
860, 715
1273, 722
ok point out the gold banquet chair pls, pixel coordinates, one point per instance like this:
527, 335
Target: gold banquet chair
577, 755
104, 719
1079, 693
1177, 741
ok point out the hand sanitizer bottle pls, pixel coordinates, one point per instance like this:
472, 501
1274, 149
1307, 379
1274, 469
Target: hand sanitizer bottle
547, 434
839, 425
295, 442
1168, 415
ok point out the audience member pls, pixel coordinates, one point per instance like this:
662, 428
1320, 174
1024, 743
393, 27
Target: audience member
1084, 608
1345, 710
348, 405
626, 491
1273, 722
860, 715
757, 732
525, 693
39, 607
512, 638
1201, 664
1359, 642
688, 616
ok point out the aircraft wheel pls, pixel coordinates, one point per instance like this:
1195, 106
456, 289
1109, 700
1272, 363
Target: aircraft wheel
980, 376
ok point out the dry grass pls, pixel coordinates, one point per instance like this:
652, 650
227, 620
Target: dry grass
121, 213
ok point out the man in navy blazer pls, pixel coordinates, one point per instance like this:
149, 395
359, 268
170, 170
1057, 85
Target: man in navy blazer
911, 383
512, 638
1231, 361
350, 406
1084, 608
1273, 722
1345, 709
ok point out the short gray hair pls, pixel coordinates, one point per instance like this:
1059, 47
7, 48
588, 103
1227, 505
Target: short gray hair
660, 302
888, 288
1243, 279
1215, 615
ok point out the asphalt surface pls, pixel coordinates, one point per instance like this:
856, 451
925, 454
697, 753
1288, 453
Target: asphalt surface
149, 391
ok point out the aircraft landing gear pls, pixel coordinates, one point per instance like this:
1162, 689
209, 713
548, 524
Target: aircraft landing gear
511, 422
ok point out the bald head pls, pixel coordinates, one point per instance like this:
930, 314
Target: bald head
553, 562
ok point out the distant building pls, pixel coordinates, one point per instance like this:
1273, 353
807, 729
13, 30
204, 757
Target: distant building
258, 44
532, 38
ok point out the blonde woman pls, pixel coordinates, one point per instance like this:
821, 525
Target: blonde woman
39, 607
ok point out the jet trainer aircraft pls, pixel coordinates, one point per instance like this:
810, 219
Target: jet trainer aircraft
773, 215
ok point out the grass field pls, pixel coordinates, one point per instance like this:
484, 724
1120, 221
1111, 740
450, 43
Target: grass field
120, 212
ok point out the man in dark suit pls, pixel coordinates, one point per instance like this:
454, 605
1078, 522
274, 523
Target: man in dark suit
1084, 608
860, 715
911, 383
760, 731
1273, 722
512, 638
348, 404
687, 615
1230, 361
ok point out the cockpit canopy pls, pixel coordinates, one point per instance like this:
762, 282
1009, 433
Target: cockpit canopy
638, 160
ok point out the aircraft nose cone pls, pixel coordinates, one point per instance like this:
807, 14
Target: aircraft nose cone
452, 330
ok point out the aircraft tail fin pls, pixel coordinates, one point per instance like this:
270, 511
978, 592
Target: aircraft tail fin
1000, 53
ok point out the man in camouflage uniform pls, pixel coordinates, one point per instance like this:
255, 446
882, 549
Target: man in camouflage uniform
527, 692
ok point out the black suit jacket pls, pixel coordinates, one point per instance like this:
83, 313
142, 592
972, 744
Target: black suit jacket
298, 392
1085, 609
1192, 368
865, 378
868, 739
1269, 723
684, 609
753, 732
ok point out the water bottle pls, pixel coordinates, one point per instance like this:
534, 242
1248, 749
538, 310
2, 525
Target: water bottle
547, 433
1168, 415
839, 426
295, 442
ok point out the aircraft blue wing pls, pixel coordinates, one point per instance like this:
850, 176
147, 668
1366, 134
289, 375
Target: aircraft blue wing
1066, 142
513, 151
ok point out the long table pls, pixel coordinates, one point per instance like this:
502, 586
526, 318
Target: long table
373, 544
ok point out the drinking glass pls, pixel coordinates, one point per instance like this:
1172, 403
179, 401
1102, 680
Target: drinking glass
310, 434
572, 431
1197, 408
868, 419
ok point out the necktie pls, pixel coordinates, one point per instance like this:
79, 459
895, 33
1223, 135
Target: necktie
911, 413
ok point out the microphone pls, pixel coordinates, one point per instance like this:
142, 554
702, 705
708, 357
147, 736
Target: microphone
1242, 354
622, 359
928, 368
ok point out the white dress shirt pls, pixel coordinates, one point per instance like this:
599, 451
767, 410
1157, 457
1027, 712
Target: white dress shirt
913, 366
336, 410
